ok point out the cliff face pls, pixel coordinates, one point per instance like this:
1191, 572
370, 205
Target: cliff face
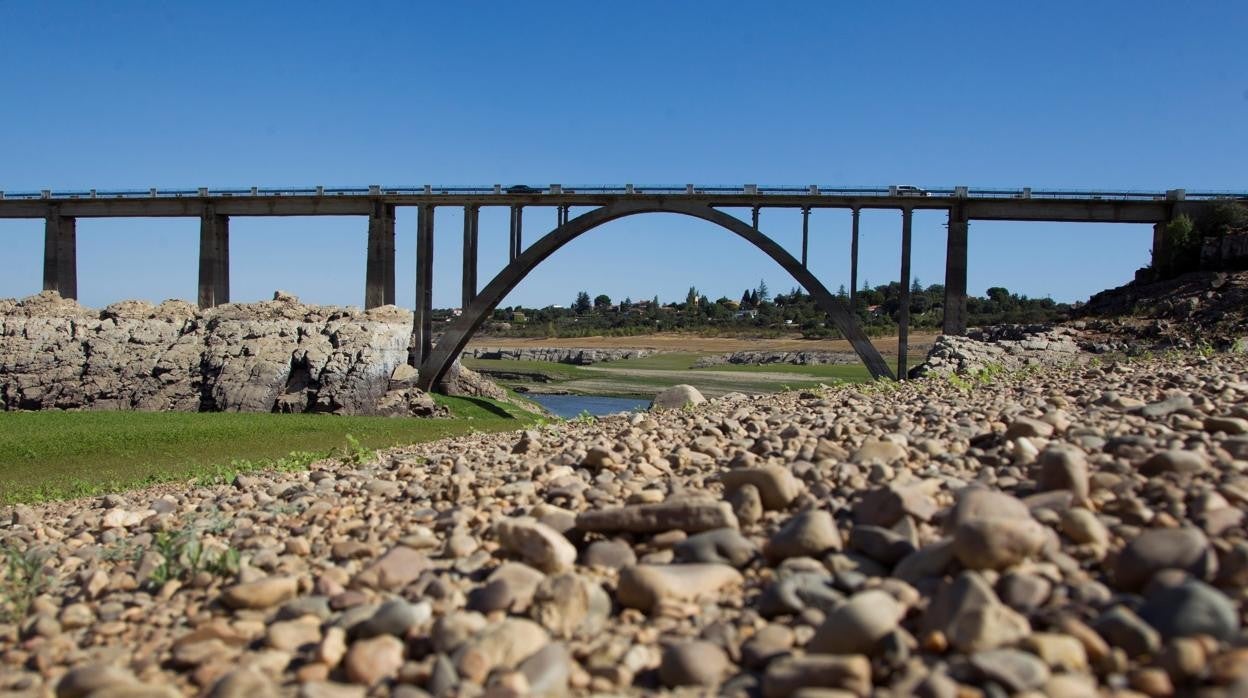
277, 355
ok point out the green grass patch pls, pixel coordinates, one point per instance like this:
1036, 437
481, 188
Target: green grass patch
845, 372
58, 455
656, 362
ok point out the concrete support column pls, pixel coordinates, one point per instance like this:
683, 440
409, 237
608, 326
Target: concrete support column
853, 262
562, 215
60, 255
422, 322
214, 259
379, 270
754, 217
517, 232
471, 220
955, 273
1159, 245
805, 233
903, 314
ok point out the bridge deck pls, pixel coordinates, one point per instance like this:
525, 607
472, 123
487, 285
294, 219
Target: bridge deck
991, 204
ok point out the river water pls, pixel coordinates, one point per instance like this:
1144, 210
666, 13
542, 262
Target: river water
568, 406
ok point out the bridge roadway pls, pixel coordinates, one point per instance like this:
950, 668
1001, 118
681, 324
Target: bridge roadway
214, 207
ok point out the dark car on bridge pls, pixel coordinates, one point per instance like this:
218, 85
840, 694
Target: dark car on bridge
523, 189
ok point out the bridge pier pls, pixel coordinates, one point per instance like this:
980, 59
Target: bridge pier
517, 232
214, 259
754, 217
379, 269
853, 262
805, 233
60, 255
955, 273
472, 219
562, 216
422, 321
903, 313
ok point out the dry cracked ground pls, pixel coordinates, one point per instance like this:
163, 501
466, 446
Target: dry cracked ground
1067, 532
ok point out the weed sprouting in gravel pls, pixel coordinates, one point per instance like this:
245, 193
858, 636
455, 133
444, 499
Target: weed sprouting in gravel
24, 579
183, 556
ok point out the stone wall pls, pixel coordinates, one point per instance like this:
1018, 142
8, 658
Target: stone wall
277, 355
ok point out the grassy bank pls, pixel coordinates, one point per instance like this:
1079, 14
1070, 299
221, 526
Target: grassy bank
59, 455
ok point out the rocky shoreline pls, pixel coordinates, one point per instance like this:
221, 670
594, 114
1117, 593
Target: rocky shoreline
1063, 531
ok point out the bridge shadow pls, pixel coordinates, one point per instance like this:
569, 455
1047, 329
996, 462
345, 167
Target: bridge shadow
487, 406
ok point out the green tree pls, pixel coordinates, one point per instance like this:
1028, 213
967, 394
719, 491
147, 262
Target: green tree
602, 301
691, 298
762, 295
582, 304
626, 304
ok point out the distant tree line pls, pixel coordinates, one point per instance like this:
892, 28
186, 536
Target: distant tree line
758, 312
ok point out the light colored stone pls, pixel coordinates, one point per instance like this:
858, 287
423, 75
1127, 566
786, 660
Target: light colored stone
857, 626
262, 593
537, 544
646, 586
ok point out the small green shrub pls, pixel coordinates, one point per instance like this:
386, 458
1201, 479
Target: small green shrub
183, 556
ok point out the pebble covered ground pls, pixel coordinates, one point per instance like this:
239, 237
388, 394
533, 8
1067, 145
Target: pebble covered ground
1062, 532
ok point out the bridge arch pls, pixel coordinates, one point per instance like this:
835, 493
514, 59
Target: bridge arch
435, 366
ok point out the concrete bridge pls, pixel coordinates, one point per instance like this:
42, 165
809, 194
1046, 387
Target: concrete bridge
214, 207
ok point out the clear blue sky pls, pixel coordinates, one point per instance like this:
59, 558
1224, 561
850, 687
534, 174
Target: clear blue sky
1134, 95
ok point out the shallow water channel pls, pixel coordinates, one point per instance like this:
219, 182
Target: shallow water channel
568, 406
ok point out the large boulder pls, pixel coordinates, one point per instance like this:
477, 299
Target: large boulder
676, 397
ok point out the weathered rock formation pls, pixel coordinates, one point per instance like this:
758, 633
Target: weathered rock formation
1005, 346
273, 356
578, 357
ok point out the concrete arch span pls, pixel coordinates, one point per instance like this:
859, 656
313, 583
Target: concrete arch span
456, 337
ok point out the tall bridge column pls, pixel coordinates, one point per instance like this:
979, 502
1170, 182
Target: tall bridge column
955, 273
471, 220
853, 262
805, 233
60, 255
754, 217
379, 269
517, 232
903, 314
562, 216
214, 258
422, 322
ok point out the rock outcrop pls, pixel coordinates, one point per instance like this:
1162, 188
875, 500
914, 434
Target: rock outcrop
273, 356
1007, 347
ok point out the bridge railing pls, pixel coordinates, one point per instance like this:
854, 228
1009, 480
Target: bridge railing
619, 189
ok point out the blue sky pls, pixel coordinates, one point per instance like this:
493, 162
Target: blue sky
1132, 95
